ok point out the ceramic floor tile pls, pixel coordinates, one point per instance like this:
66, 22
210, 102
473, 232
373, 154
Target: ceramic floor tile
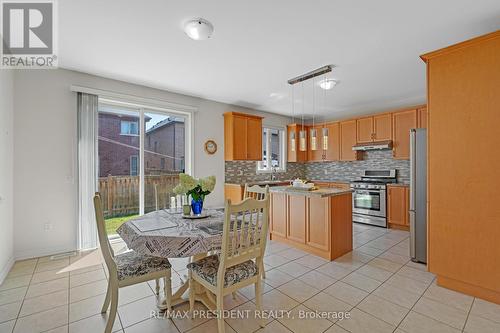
156, 326
85, 269
186, 323
346, 293
96, 323
137, 311
323, 302
400, 250
51, 265
416, 265
87, 290
21, 270
42, 321
7, 327
449, 297
317, 279
249, 291
273, 327
397, 295
276, 278
87, 277
135, 292
441, 312
393, 257
231, 302
86, 308
385, 264
476, 324
382, 309
298, 322
362, 322
276, 300
336, 329
45, 302
9, 311
311, 261
62, 329
12, 295
370, 250
375, 273
486, 310
15, 282
362, 282
356, 255
294, 269
292, 254
408, 284
298, 290
416, 274
275, 260
417, 323
334, 270
44, 288
248, 324
48, 276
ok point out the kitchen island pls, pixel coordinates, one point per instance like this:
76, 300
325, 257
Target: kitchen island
317, 221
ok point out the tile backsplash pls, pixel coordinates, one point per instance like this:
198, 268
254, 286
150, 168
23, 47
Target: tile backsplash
240, 172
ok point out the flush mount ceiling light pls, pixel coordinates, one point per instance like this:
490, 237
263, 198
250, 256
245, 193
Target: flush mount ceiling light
328, 84
199, 29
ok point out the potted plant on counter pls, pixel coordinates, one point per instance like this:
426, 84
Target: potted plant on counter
196, 188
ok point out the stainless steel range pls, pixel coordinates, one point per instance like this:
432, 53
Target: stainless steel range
369, 203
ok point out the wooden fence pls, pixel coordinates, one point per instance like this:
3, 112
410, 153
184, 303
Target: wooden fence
120, 194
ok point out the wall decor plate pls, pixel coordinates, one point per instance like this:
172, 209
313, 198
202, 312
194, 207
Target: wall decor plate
210, 147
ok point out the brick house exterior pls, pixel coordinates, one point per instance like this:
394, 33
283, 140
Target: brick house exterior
119, 152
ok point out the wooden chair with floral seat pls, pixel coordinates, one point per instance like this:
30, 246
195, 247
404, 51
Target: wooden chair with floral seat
127, 269
237, 266
257, 192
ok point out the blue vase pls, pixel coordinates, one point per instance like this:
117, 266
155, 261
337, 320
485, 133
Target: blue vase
197, 206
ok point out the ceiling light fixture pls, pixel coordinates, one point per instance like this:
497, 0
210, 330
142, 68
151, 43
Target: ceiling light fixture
199, 29
328, 84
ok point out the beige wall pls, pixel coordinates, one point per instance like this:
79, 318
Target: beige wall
45, 152
6, 172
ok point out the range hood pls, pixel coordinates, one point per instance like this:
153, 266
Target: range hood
380, 145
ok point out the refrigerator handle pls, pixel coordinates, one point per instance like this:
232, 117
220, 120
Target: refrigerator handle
413, 170
413, 246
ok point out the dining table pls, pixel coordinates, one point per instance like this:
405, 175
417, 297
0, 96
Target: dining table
169, 234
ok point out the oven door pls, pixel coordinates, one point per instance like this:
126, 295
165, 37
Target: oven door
369, 202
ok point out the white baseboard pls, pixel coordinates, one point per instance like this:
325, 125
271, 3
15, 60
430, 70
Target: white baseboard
35, 253
6, 269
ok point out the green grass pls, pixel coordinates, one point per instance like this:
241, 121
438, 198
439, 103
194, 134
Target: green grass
114, 223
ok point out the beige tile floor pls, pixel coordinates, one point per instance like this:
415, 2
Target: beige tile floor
376, 283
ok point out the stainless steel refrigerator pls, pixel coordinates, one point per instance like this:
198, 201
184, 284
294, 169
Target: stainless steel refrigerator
418, 195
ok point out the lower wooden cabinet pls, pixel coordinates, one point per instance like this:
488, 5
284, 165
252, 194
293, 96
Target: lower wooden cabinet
296, 210
278, 215
398, 204
233, 192
317, 223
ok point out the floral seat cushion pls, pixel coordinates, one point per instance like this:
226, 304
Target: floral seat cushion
131, 264
207, 268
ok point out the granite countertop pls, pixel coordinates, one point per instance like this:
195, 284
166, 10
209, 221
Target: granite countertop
321, 192
261, 182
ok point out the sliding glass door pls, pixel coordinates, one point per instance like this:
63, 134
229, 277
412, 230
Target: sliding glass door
141, 153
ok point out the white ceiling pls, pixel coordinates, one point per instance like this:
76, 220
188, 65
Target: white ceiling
258, 45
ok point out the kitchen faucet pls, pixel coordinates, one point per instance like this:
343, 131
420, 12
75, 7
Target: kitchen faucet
273, 173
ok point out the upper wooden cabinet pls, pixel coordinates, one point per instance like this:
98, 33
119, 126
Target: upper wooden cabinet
332, 153
422, 117
293, 141
374, 128
242, 137
318, 154
402, 123
347, 140
398, 205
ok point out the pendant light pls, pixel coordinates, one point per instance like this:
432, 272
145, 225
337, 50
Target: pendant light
314, 134
302, 133
325, 129
293, 140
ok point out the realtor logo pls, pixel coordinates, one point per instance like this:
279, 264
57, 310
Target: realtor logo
28, 34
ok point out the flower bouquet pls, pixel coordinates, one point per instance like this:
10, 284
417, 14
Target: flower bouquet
196, 188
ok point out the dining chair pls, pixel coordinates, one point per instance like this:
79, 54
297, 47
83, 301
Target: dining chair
128, 268
244, 239
256, 192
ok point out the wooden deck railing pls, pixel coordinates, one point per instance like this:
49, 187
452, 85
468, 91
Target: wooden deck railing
120, 194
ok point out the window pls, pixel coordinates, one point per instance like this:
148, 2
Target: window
134, 165
129, 127
162, 164
273, 150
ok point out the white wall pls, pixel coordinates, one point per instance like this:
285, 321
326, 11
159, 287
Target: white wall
6, 172
45, 152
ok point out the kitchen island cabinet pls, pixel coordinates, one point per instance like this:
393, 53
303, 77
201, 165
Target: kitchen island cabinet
318, 222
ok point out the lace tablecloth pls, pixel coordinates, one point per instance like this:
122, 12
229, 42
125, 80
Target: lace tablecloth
168, 235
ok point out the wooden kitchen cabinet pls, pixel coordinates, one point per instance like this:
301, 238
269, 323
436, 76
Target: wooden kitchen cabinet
242, 137
402, 123
234, 192
315, 155
294, 152
278, 214
333, 151
397, 206
347, 140
318, 222
374, 128
422, 118
296, 228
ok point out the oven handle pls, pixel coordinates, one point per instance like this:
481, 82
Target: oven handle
367, 192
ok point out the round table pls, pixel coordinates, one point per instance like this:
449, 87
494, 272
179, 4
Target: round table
167, 234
